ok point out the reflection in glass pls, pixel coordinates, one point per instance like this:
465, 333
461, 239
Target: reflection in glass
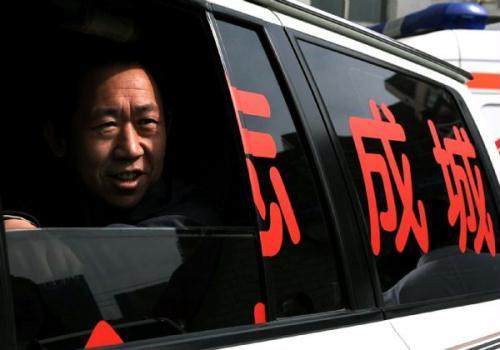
144, 282
456, 263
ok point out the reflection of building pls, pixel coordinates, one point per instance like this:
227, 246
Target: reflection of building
375, 11
364, 12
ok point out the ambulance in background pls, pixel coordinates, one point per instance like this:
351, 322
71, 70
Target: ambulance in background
458, 33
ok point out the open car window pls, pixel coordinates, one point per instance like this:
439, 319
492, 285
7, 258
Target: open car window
174, 263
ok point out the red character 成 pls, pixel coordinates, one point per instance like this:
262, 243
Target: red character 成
386, 166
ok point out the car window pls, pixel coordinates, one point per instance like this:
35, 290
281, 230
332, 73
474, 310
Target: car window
182, 256
298, 255
69, 283
431, 222
490, 113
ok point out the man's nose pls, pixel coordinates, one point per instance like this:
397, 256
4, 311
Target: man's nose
128, 144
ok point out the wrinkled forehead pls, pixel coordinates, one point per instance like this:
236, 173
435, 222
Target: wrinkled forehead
103, 84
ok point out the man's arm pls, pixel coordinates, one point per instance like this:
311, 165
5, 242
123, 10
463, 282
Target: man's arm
18, 222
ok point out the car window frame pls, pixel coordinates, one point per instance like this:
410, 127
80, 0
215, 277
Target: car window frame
331, 182
327, 169
288, 74
264, 31
392, 311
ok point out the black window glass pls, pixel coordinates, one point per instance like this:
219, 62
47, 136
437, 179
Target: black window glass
431, 222
297, 250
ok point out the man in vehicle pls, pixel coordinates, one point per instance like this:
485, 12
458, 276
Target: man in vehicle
108, 170
114, 149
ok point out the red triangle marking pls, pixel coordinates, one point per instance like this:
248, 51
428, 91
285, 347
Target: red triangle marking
103, 335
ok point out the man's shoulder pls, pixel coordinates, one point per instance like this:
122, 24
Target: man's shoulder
188, 206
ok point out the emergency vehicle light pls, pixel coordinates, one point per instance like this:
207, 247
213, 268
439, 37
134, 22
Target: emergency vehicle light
436, 17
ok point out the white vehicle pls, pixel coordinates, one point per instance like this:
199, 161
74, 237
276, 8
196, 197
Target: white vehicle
478, 52
347, 198
442, 30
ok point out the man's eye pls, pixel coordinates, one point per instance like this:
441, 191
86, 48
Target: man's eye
105, 127
148, 123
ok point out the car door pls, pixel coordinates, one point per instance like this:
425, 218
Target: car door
411, 202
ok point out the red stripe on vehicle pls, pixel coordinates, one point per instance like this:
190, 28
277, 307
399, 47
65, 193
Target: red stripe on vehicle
258, 144
497, 143
103, 335
285, 205
252, 103
270, 240
259, 313
484, 81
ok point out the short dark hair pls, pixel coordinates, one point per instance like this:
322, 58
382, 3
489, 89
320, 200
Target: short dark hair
67, 79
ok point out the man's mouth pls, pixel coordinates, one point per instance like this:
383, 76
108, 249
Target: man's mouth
127, 176
127, 180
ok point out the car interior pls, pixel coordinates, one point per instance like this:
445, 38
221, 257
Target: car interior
57, 306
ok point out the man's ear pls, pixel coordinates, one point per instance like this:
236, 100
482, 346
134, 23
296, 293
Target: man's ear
57, 144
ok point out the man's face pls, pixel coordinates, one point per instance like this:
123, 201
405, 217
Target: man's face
118, 135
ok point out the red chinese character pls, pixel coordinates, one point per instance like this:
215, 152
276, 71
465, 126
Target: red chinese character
387, 168
465, 189
261, 145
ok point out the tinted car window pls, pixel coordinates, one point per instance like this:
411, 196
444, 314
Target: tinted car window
295, 243
145, 283
431, 223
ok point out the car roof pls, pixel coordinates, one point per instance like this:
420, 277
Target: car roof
309, 14
471, 49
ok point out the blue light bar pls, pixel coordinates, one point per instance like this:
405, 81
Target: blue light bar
436, 17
